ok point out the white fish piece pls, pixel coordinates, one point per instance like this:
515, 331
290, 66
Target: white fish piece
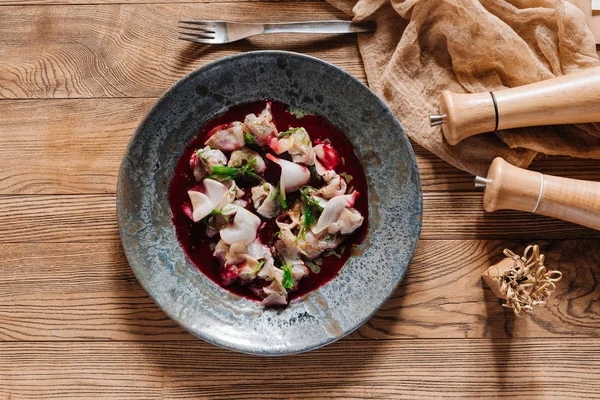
247, 269
244, 155
350, 220
203, 160
264, 198
326, 155
335, 187
333, 209
312, 245
293, 176
291, 218
262, 128
206, 200
227, 137
270, 273
244, 227
221, 251
297, 144
299, 271
237, 253
258, 250
276, 295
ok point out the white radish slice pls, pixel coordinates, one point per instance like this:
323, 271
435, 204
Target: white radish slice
214, 190
207, 200
201, 205
243, 229
333, 209
293, 176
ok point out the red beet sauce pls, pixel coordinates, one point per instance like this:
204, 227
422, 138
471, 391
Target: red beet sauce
192, 236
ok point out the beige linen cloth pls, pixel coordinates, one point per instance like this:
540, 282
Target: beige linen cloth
422, 47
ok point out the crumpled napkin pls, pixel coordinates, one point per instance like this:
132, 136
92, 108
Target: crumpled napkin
422, 47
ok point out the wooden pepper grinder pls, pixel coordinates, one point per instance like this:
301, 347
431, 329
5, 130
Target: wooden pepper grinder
568, 99
511, 188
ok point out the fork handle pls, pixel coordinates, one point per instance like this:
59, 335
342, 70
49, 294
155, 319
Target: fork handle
320, 27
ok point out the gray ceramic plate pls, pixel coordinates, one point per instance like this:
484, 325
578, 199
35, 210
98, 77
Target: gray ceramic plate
201, 306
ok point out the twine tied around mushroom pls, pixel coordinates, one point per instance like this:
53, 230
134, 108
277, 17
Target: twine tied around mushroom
523, 281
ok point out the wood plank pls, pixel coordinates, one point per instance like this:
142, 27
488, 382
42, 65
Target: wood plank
81, 51
76, 292
92, 218
75, 146
83, 218
87, 291
71, 146
416, 369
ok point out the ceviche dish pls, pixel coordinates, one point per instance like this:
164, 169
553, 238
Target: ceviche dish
268, 201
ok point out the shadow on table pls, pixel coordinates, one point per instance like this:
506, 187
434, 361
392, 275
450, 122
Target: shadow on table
197, 369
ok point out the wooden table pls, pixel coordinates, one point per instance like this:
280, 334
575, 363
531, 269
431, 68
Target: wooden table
76, 77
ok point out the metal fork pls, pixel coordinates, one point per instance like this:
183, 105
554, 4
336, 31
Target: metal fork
217, 32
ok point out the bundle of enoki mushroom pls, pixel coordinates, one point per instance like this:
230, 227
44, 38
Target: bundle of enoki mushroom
523, 281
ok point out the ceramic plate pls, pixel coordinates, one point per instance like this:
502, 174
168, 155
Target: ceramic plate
202, 307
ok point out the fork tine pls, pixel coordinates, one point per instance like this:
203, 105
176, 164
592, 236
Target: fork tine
197, 35
193, 28
206, 23
202, 41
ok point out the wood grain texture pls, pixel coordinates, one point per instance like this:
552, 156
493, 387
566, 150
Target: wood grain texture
71, 146
74, 146
88, 292
133, 51
415, 369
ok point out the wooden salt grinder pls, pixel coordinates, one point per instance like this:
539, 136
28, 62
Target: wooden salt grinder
511, 188
568, 99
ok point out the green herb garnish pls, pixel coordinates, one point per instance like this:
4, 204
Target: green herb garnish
311, 209
288, 280
278, 193
259, 266
313, 266
347, 177
288, 132
248, 138
231, 173
332, 253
